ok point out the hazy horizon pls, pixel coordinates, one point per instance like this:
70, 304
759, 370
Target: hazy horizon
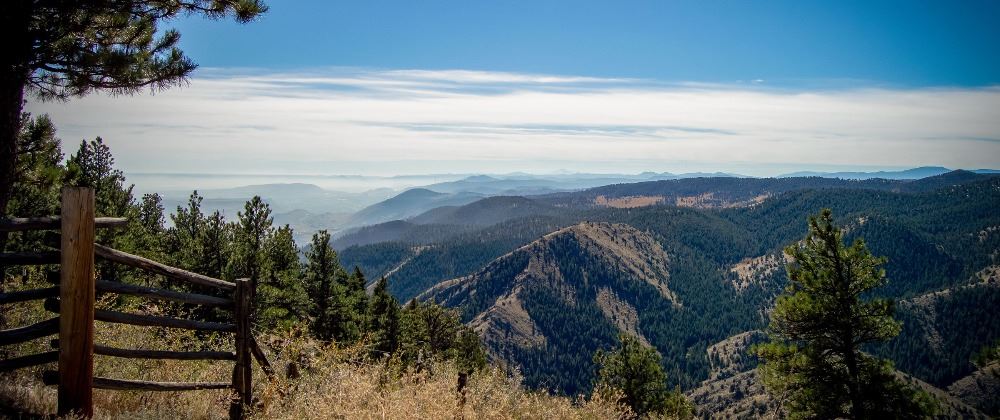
184, 183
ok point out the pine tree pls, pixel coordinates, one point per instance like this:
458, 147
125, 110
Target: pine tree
358, 297
185, 235
471, 356
383, 320
634, 370
253, 231
325, 295
819, 325
216, 246
146, 233
93, 166
39, 174
282, 299
430, 331
39, 169
71, 48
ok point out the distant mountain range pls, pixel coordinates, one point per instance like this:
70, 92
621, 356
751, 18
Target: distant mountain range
914, 173
687, 264
308, 208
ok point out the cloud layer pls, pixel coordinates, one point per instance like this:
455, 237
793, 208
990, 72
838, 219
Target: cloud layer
408, 121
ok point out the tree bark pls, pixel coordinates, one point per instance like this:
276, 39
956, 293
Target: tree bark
14, 72
857, 401
11, 104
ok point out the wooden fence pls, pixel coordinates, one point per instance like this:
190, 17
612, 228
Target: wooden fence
73, 300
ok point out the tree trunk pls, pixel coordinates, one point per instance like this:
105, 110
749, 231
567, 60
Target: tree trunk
11, 102
857, 402
14, 18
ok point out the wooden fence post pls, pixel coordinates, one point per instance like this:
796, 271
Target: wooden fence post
242, 378
76, 308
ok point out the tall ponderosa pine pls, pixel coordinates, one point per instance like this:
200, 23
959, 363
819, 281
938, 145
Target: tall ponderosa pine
383, 320
62, 49
819, 325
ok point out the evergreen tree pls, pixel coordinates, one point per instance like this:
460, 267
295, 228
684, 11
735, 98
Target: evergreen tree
819, 325
66, 49
471, 356
281, 296
635, 371
93, 166
151, 213
216, 246
147, 234
383, 320
358, 297
253, 231
430, 331
39, 175
186, 235
39, 169
322, 270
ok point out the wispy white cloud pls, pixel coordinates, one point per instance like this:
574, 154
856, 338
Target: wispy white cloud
324, 121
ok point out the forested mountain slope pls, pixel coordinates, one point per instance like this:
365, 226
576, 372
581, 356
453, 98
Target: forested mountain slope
549, 305
725, 267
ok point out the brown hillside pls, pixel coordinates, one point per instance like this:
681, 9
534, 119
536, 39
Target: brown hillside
505, 321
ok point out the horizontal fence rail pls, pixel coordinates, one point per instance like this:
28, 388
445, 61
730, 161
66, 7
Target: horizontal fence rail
29, 258
161, 294
154, 267
157, 354
164, 354
30, 332
20, 224
52, 378
29, 361
161, 321
104, 315
26, 295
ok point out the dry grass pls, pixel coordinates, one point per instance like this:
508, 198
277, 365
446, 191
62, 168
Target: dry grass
335, 382
335, 389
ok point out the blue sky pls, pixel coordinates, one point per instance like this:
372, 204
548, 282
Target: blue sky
790, 43
388, 88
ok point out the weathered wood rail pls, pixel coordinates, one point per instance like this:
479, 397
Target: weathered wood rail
72, 299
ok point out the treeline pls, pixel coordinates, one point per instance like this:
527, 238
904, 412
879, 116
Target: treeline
313, 292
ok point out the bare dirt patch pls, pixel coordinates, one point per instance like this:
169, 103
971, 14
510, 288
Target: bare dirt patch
620, 313
630, 201
753, 271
